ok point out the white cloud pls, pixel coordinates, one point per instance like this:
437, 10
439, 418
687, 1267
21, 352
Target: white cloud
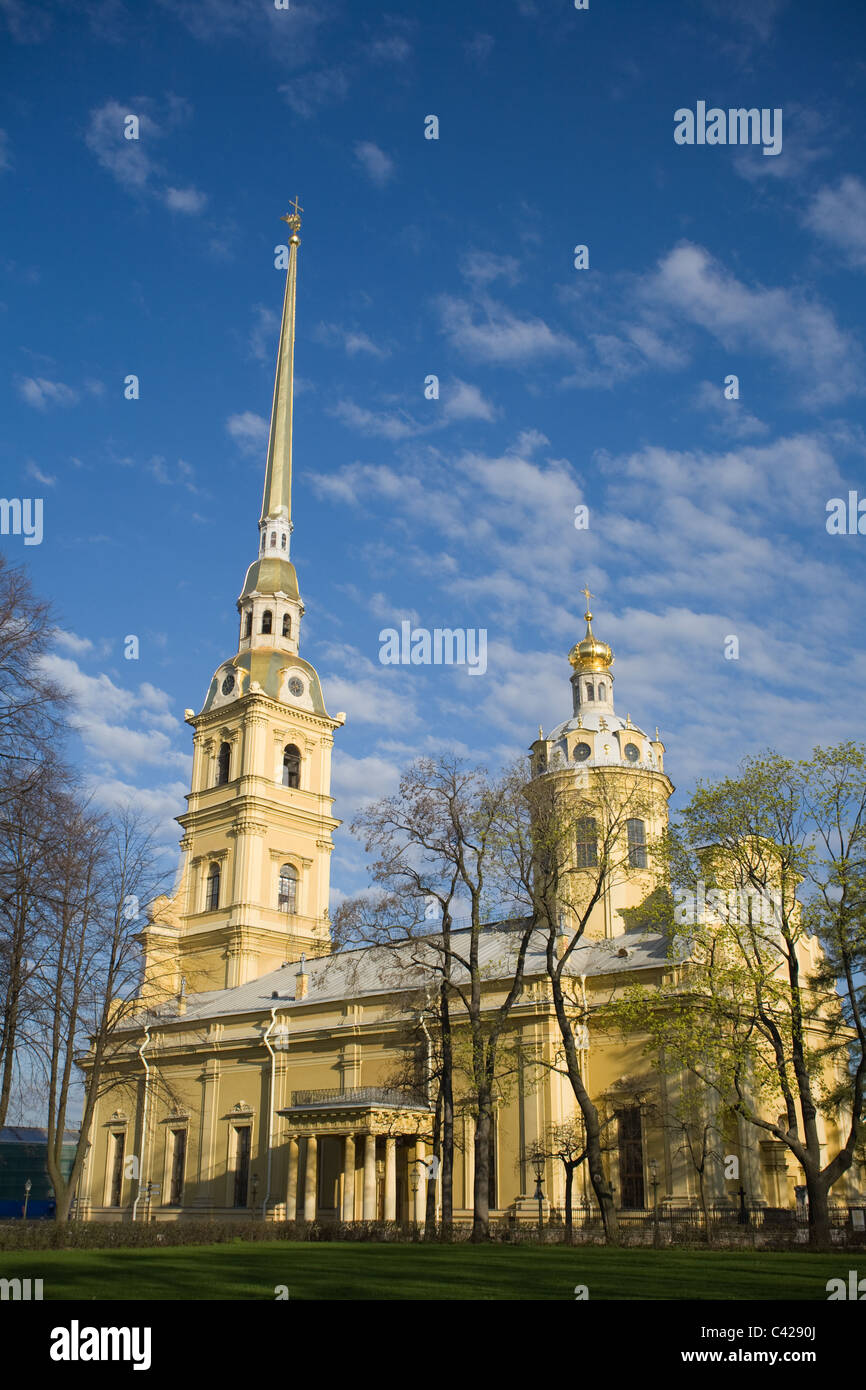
731, 416
248, 430
357, 781
393, 425
492, 333
41, 393
100, 709
310, 92
463, 401
352, 340
839, 215
33, 471
785, 325
5, 152
131, 161
72, 642
482, 267
187, 200
376, 164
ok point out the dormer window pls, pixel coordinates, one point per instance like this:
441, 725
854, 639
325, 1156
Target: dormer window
267, 621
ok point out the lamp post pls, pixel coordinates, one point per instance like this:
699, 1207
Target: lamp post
654, 1183
413, 1183
743, 1218
538, 1165
27, 1186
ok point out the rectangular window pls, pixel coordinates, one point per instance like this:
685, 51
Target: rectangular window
117, 1141
630, 1143
242, 1164
587, 843
636, 844
178, 1165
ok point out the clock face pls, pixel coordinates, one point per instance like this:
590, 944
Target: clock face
581, 752
632, 752
228, 684
296, 686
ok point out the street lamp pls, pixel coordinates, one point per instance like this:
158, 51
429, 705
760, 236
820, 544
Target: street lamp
27, 1186
538, 1165
413, 1183
743, 1218
654, 1183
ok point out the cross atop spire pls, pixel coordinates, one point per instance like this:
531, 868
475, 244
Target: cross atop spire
588, 595
293, 217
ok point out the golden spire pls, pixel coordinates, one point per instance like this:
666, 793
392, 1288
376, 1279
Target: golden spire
590, 654
277, 498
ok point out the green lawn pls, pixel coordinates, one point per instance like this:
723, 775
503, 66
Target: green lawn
343, 1271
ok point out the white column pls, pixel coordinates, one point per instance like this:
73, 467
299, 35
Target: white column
349, 1178
390, 1179
370, 1177
310, 1177
292, 1185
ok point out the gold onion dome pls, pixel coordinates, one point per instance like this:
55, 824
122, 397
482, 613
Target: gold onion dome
590, 654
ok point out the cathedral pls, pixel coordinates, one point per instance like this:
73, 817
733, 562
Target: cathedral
260, 1078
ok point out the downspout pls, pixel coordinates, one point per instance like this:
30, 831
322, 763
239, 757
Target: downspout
267, 1042
143, 1117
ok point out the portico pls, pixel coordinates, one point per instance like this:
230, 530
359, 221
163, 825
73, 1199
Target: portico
357, 1155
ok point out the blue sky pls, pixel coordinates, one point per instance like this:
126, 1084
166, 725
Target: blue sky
454, 257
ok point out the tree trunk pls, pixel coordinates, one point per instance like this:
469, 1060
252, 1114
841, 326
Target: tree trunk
430, 1209
598, 1178
569, 1223
820, 1237
702, 1193
447, 1094
481, 1194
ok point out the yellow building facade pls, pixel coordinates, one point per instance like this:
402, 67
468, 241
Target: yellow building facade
266, 1076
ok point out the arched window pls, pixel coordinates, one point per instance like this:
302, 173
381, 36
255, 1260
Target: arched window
287, 625
601, 691
587, 843
267, 621
248, 624
283, 541
636, 830
590, 695
291, 766
224, 763
212, 893
287, 897
273, 538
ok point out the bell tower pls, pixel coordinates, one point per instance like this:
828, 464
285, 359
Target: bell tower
253, 884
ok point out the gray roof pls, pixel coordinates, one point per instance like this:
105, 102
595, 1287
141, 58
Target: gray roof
372, 970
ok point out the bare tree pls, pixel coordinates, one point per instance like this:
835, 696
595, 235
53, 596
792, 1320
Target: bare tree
561, 889
108, 869
32, 706
439, 840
